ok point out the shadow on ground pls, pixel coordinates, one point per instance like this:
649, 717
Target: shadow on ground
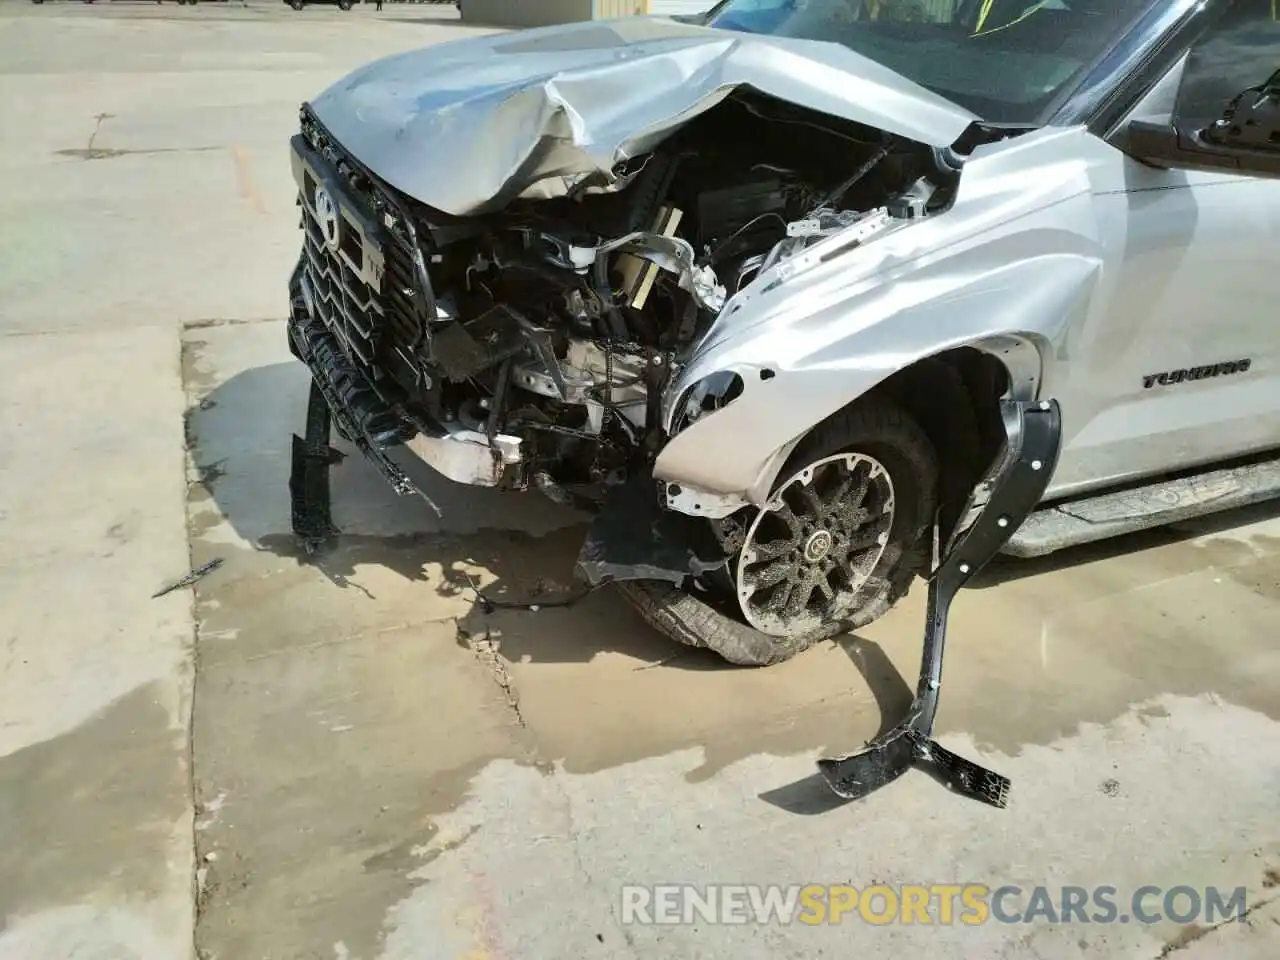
514, 547
527, 544
359, 691
586, 676
893, 696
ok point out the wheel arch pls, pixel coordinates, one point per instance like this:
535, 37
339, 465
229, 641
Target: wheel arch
954, 395
955, 398
697, 484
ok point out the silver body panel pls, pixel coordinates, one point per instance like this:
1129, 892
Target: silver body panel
1110, 269
543, 112
1082, 270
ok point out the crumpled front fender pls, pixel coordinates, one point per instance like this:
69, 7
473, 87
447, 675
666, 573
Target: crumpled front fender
739, 449
1016, 260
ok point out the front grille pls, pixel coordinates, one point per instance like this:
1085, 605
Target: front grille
343, 296
364, 288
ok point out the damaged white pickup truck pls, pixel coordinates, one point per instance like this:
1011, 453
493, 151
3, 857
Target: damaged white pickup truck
780, 295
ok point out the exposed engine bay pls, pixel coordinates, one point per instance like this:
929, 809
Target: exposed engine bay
556, 323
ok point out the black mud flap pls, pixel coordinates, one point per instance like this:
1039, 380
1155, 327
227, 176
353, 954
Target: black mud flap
309, 476
1013, 488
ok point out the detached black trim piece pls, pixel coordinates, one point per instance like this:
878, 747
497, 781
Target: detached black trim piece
1016, 485
360, 415
358, 409
311, 516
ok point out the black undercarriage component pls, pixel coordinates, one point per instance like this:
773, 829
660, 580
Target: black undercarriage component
465, 349
634, 538
1015, 486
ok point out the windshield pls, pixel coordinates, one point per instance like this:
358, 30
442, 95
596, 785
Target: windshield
1004, 60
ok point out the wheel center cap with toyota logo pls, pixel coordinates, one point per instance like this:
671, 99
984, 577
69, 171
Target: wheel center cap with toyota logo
328, 218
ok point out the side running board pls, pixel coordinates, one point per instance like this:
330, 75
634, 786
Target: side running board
1142, 508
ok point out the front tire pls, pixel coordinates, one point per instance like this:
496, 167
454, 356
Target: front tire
869, 432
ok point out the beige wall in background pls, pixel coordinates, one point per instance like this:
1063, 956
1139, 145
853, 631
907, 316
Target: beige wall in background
607, 9
538, 13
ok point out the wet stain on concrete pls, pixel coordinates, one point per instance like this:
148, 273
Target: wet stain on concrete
377, 636
526, 568
337, 725
571, 721
201, 524
195, 377
209, 474
1258, 570
1152, 711
122, 533
104, 153
1185, 618
93, 811
1193, 545
414, 854
312, 857
403, 857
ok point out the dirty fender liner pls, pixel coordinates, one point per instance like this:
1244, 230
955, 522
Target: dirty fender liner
634, 538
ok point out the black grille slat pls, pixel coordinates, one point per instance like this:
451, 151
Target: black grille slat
400, 284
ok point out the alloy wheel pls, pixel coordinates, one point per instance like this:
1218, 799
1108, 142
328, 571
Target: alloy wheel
810, 550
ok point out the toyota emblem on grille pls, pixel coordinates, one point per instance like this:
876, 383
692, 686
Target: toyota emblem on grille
327, 216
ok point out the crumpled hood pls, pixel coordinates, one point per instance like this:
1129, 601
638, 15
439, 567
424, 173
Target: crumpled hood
467, 126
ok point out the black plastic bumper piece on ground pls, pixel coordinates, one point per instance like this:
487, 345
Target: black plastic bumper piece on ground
309, 476
339, 396
1014, 487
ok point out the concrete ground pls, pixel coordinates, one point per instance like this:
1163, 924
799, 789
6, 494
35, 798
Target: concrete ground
346, 759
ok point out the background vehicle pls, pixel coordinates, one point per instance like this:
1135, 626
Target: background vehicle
341, 4
764, 325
